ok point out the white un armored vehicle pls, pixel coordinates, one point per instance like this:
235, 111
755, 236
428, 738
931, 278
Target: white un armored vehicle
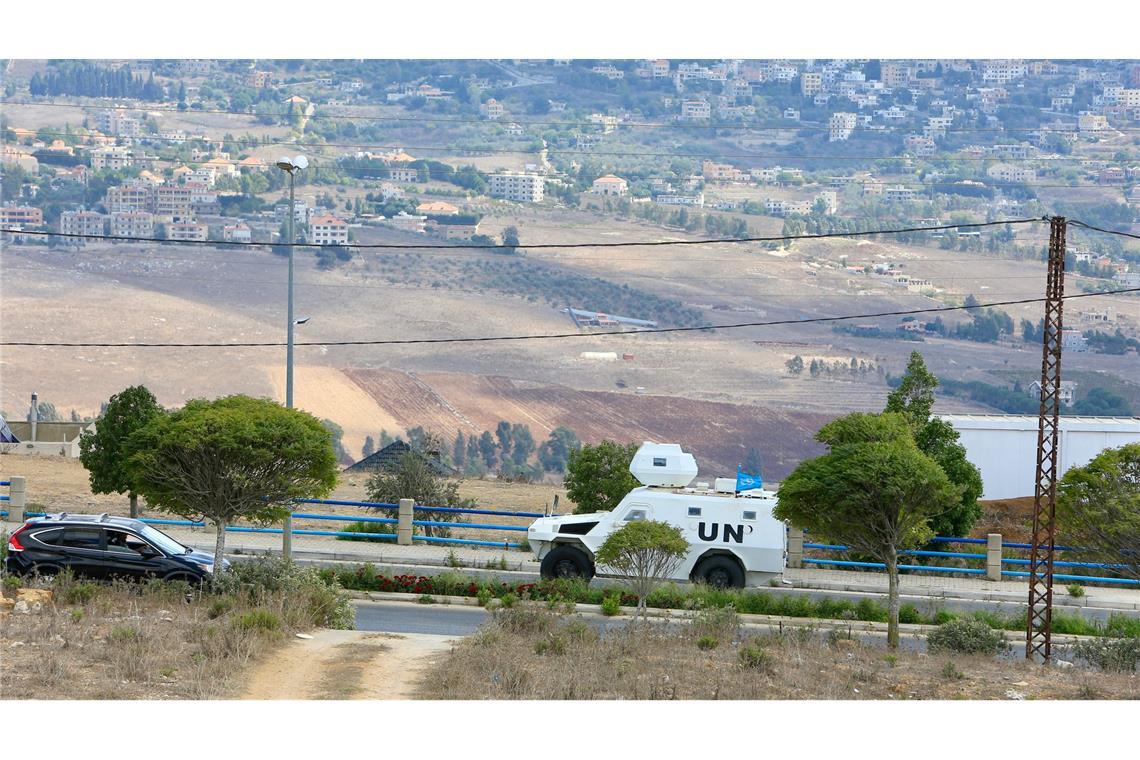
733, 538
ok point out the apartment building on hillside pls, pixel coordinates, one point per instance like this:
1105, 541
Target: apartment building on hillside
518, 186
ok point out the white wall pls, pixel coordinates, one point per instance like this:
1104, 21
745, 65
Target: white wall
1004, 447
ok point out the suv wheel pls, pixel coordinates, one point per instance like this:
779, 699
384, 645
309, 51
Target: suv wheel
567, 562
720, 571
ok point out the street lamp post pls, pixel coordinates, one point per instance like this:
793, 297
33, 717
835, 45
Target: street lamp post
290, 166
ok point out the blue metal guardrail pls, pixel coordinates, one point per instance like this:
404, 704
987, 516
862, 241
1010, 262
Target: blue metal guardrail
975, 571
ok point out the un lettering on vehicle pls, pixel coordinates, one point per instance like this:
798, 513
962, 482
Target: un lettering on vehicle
730, 533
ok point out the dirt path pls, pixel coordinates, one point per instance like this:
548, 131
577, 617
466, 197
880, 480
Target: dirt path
347, 665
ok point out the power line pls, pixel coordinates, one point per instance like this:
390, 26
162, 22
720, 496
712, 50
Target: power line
540, 246
541, 122
1101, 229
559, 336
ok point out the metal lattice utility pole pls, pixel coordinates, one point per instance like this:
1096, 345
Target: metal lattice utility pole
1039, 622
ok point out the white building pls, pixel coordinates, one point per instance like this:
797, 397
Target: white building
841, 125
328, 230
517, 186
81, 223
135, 224
695, 109
610, 185
114, 157
1004, 447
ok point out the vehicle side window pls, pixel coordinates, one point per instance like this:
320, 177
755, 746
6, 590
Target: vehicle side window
694, 511
749, 515
659, 461
49, 536
121, 541
635, 514
82, 538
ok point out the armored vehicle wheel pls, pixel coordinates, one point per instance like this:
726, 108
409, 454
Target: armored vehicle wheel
567, 562
722, 572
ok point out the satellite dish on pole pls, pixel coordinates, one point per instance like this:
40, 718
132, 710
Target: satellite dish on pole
300, 162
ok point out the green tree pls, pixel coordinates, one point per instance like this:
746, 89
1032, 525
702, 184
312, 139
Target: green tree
503, 435
555, 451
753, 463
1098, 507
104, 451
369, 447
230, 459
914, 399
874, 491
459, 451
414, 476
337, 433
644, 553
795, 365
522, 443
488, 450
598, 477
511, 239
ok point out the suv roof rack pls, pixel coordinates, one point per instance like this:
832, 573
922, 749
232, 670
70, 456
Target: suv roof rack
103, 517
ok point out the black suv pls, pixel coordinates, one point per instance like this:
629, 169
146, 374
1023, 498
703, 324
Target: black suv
101, 546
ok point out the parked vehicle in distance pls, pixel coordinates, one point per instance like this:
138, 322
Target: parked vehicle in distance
733, 538
102, 547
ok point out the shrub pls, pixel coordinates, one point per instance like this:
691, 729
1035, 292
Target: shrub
1122, 626
76, 615
219, 607
508, 600
123, 634
705, 643
484, 596
369, 527
524, 618
79, 593
426, 599
752, 657
1076, 590
12, 584
261, 621
908, 613
966, 636
551, 643
722, 622
951, 673
578, 630
611, 605
891, 659
1110, 654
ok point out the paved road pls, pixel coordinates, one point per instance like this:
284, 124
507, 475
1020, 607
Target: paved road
447, 620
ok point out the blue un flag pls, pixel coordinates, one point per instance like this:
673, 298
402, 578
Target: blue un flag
746, 482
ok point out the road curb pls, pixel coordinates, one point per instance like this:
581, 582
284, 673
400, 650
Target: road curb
748, 620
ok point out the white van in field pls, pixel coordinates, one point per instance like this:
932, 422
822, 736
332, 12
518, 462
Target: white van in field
733, 538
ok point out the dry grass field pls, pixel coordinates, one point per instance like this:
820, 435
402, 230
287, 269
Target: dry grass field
527, 652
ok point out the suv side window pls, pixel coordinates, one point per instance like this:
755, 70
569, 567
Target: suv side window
50, 537
82, 538
122, 542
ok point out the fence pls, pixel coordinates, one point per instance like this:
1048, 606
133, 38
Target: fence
404, 524
993, 559
15, 499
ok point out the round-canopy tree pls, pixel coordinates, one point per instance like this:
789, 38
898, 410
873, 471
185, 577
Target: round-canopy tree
233, 458
874, 491
1098, 507
598, 477
644, 553
104, 451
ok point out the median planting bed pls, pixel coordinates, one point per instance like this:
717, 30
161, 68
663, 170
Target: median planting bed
670, 596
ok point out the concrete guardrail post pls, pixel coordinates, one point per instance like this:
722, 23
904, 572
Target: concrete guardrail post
795, 547
404, 526
17, 498
993, 556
